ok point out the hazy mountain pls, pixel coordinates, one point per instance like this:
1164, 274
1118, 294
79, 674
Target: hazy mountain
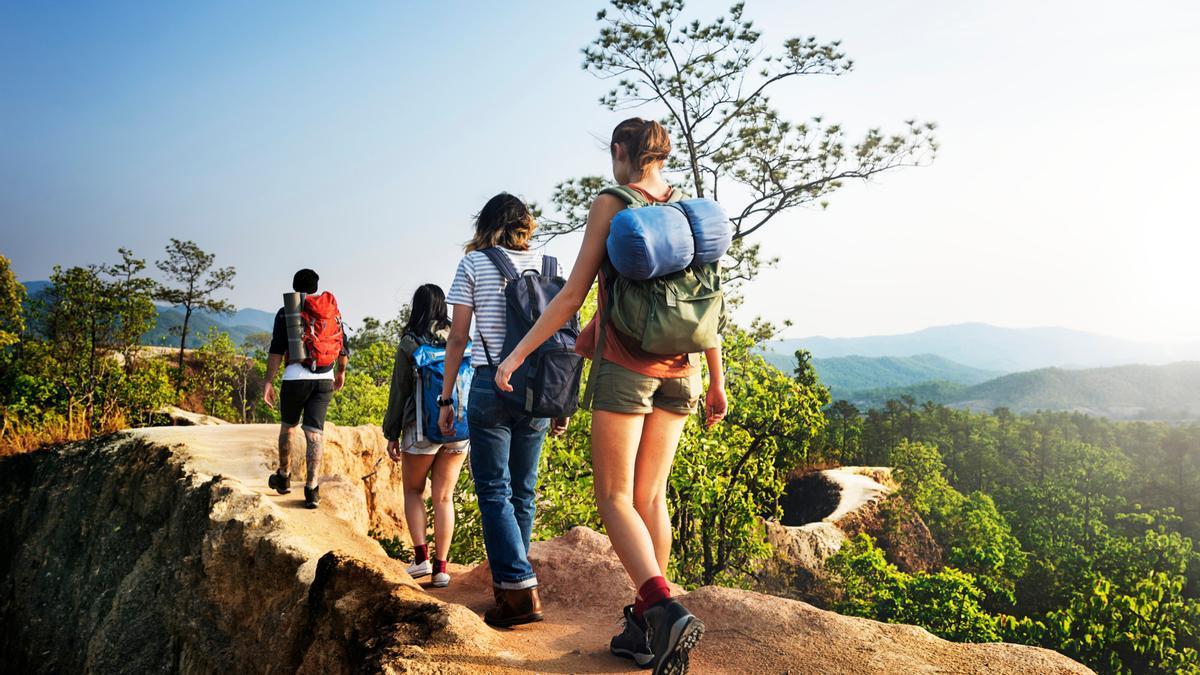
239, 325
1169, 392
845, 375
988, 347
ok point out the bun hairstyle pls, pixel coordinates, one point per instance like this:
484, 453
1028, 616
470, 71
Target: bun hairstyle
505, 221
645, 141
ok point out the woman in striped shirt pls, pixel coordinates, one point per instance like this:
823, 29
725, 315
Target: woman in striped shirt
505, 446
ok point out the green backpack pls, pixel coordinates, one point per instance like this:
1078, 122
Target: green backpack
680, 313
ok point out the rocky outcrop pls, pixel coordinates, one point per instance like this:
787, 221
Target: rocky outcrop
161, 550
823, 509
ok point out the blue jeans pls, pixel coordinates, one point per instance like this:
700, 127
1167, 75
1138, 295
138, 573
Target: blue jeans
505, 449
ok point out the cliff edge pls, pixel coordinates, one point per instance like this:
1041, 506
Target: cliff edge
163, 550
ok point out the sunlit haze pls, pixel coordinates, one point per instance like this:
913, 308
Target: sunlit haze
359, 140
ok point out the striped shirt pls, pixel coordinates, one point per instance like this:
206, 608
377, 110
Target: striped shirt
480, 286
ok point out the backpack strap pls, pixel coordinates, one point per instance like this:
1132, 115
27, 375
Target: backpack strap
633, 198
589, 390
502, 263
549, 266
626, 194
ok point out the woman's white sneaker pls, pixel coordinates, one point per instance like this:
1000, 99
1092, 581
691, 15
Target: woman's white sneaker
440, 580
421, 569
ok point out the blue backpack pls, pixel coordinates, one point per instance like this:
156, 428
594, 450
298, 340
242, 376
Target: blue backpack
430, 362
547, 383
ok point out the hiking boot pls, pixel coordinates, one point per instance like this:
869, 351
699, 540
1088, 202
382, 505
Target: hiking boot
631, 642
420, 569
280, 483
312, 496
672, 632
514, 607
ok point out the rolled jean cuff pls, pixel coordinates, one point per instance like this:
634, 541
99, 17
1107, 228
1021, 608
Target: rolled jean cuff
531, 582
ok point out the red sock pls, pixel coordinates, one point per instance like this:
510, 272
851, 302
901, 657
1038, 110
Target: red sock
421, 553
654, 591
439, 566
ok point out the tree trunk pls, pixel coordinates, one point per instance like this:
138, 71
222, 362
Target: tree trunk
187, 317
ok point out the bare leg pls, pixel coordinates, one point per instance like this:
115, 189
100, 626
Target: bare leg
445, 475
615, 440
415, 469
314, 439
285, 449
660, 438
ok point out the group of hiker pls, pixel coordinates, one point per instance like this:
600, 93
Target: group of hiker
489, 369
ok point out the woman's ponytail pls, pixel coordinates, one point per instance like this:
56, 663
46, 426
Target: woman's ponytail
645, 141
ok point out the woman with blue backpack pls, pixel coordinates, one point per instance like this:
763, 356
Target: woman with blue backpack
498, 284
660, 306
415, 438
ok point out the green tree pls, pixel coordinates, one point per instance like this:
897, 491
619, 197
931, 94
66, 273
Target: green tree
191, 269
80, 322
218, 374
727, 478
133, 296
712, 82
12, 302
946, 603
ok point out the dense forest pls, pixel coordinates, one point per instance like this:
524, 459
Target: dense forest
1062, 530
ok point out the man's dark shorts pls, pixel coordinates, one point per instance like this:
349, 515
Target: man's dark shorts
309, 398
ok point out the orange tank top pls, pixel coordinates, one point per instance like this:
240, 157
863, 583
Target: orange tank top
624, 350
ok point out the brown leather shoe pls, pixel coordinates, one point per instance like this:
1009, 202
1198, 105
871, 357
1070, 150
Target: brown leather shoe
514, 607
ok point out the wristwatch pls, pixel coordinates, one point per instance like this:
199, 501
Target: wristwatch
444, 402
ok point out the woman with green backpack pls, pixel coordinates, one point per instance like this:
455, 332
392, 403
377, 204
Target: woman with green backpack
641, 398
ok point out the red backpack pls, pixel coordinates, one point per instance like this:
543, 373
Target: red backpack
323, 333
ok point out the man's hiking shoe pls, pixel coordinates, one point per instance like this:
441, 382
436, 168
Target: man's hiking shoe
440, 580
631, 642
312, 496
672, 632
514, 607
280, 483
420, 569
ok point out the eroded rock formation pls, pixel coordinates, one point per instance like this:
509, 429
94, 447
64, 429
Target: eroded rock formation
163, 551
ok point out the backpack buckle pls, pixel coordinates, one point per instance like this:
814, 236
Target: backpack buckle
672, 298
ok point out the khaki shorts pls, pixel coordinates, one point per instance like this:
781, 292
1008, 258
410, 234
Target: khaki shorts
621, 390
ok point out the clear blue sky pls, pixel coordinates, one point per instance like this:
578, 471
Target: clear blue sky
360, 138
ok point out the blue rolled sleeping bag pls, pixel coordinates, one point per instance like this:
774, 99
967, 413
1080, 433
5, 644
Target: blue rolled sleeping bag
653, 241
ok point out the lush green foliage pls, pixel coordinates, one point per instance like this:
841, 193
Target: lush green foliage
75, 369
947, 602
1075, 531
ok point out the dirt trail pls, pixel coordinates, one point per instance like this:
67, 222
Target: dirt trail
583, 588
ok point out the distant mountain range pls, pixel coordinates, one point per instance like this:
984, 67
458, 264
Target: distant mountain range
847, 375
240, 325
987, 347
1167, 392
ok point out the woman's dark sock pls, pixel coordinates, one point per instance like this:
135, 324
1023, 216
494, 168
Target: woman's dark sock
421, 553
439, 566
654, 591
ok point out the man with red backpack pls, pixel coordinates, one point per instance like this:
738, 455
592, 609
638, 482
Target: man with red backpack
316, 367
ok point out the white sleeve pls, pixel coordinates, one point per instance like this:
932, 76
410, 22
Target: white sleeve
462, 290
